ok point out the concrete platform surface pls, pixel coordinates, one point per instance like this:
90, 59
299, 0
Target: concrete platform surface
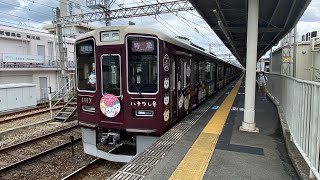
237, 155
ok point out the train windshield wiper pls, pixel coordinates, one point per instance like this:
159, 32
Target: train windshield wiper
136, 87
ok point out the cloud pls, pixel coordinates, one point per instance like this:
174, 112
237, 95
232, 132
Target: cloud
312, 13
186, 24
304, 27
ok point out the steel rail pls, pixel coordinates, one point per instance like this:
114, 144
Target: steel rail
79, 171
4, 150
34, 157
3, 121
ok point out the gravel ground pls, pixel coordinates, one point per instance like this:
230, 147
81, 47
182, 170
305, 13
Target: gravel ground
54, 166
25, 134
23, 113
60, 164
102, 170
24, 121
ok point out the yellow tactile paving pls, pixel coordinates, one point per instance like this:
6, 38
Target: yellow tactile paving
195, 162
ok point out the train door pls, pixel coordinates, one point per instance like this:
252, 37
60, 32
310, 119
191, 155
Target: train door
173, 91
183, 84
194, 84
212, 78
220, 75
111, 89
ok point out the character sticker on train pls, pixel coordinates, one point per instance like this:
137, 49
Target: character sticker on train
92, 78
166, 83
186, 102
166, 99
110, 105
166, 115
180, 103
166, 62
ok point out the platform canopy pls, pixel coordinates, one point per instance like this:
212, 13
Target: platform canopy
228, 18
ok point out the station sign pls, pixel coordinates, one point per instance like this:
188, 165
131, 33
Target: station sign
18, 58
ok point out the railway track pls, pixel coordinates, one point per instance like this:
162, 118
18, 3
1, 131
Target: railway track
96, 169
14, 156
9, 117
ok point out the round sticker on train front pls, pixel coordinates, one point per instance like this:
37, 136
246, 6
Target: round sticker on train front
110, 105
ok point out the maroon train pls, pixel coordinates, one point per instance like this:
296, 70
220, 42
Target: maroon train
134, 82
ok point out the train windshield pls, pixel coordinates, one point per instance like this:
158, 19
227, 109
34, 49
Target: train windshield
111, 74
142, 65
86, 68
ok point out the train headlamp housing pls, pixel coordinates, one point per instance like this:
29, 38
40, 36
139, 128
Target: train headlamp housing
109, 36
144, 113
87, 108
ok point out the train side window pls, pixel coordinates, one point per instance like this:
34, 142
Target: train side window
192, 76
202, 72
220, 72
183, 67
208, 68
213, 71
173, 75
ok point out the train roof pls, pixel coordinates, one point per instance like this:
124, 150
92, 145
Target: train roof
124, 30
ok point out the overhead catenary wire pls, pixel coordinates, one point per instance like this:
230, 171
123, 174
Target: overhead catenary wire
165, 22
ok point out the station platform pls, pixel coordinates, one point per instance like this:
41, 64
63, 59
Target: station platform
207, 144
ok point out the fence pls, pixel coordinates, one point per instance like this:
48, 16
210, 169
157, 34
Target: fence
66, 90
300, 102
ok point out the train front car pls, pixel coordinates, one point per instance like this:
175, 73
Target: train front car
119, 92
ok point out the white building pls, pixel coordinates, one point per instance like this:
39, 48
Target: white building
69, 8
307, 60
70, 30
28, 56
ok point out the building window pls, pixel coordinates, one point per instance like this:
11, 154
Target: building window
13, 34
1, 32
41, 50
28, 36
33, 37
19, 35
50, 49
7, 33
37, 38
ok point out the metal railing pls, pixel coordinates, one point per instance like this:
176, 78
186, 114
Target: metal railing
58, 96
299, 101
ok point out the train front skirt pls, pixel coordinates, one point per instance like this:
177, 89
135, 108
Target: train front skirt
89, 139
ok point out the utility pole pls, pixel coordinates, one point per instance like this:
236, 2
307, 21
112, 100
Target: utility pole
63, 76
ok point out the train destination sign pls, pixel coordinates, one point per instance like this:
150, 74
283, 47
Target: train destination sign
142, 46
86, 49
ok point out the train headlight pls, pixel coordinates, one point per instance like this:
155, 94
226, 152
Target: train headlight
144, 112
88, 108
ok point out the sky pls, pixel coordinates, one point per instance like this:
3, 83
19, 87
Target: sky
37, 13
